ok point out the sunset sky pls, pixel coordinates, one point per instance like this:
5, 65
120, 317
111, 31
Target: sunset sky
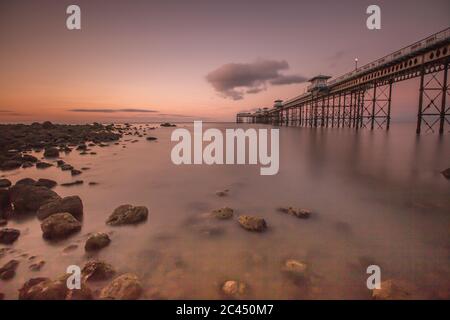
190, 60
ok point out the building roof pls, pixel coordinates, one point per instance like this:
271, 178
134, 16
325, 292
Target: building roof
320, 76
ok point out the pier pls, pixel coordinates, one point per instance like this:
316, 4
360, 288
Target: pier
362, 98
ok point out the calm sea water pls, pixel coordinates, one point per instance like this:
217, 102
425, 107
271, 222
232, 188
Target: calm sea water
378, 198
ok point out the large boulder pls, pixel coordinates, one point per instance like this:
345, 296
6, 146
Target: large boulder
29, 198
97, 271
47, 289
8, 235
251, 223
72, 205
124, 287
60, 225
127, 214
46, 183
97, 241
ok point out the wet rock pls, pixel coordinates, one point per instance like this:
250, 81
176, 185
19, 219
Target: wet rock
97, 271
124, 287
73, 183
234, 289
26, 182
48, 125
70, 248
43, 165
27, 164
8, 271
152, 138
223, 213
29, 198
46, 183
295, 268
93, 183
5, 183
296, 212
10, 165
3, 222
5, 203
167, 124
71, 204
37, 266
252, 223
97, 241
392, 290
75, 172
60, 225
51, 152
8, 235
47, 289
127, 214
66, 167
29, 158
446, 173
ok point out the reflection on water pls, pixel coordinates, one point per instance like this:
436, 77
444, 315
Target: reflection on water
378, 198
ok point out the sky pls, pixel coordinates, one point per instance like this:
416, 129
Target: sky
191, 60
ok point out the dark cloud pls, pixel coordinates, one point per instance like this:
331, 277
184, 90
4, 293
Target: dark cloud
233, 80
113, 110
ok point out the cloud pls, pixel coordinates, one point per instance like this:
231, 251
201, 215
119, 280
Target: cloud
113, 110
234, 80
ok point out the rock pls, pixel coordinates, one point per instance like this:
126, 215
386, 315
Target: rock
37, 266
73, 183
296, 212
127, 214
43, 165
5, 183
124, 287
152, 138
295, 268
46, 183
97, 241
223, 213
47, 289
167, 124
8, 235
392, 290
2, 296
234, 289
66, 167
252, 223
27, 164
10, 165
26, 182
5, 203
29, 158
97, 271
48, 125
70, 248
29, 198
8, 271
51, 152
60, 225
93, 183
446, 173
75, 172
222, 193
3, 222
72, 205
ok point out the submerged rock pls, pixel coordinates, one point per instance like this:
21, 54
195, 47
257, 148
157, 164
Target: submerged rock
37, 266
152, 138
8, 235
97, 271
75, 172
97, 241
73, 183
446, 173
26, 198
26, 182
72, 205
127, 214
234, 289
296, 212
5, 183
392, 290
66, 167
252, 223
47, 289
295, 268
60, 225
124, 287
43, 165
8, 271
222, 193
223, 213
